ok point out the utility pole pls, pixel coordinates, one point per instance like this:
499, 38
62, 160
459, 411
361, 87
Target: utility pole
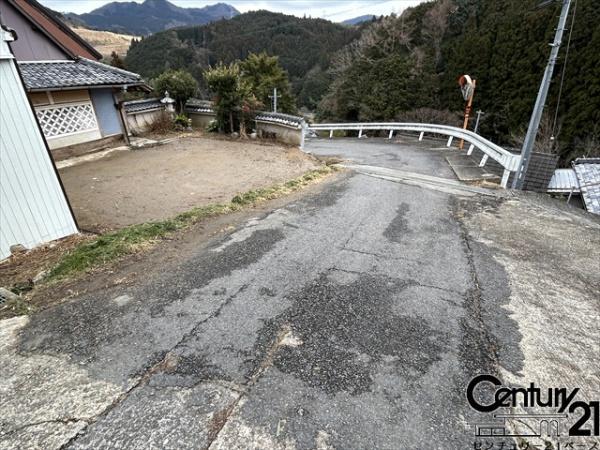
274, 98
479, 114
538, 109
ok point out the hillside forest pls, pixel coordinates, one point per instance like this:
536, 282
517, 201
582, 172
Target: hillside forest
406, 67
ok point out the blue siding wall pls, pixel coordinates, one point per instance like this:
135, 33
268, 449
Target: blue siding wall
106, 112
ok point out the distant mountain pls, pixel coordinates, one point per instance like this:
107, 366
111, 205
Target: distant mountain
304, 47
358, 20
149, 17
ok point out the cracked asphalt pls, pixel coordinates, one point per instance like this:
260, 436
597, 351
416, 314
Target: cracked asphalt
352, 317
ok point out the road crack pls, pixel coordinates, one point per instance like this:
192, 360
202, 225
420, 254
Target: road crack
167, 363
64, 421
473, 305
221, 417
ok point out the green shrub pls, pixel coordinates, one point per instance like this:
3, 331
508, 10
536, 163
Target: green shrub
212, 127
181, 121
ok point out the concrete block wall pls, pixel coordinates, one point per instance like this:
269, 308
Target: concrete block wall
282, 133
201, 120
539, 172
140, 122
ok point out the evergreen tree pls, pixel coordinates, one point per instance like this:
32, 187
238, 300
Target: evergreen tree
116, 61
300, 45
180, 85
263, 73
234, 100
501, 43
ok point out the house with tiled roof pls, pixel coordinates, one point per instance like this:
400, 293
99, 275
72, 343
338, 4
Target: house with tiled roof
75, 96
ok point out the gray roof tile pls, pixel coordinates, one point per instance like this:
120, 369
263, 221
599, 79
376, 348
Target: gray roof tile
79, 73
136, 106
588, 175
283, 119
199, 106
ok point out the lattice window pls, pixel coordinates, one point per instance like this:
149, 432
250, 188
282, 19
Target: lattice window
66, 119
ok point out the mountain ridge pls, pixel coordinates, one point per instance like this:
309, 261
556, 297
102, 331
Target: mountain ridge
359, 20
149, 17
304, 46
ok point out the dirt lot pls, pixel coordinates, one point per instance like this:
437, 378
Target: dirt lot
129, 187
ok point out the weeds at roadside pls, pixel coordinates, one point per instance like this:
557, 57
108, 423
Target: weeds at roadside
15, 307
112, 246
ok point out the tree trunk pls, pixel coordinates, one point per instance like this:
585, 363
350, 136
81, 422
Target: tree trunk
243, 128
231, 122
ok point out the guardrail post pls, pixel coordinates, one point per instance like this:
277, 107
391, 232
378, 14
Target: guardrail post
507, 160
302, 134
505, 176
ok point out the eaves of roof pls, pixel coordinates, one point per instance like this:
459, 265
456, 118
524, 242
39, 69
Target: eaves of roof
55, 30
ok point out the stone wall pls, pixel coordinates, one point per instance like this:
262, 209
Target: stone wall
140, 122
140, 114
282, 133
201, 120
283, 128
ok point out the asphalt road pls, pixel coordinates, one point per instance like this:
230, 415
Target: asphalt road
402, 152
351, 318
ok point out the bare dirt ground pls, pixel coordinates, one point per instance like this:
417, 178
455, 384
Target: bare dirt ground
130, 187
18, 271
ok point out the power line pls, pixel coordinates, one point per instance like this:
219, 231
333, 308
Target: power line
562, 77
538, 109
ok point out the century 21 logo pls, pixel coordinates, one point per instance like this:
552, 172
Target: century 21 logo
558, 398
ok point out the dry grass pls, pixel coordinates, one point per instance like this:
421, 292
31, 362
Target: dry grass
162, 125
106, 41
90, 253
69, 258
112, 246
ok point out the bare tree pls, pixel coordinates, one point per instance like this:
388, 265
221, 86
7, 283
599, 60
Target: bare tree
545, 141
589, 146
435, 25
388, 35
429, 115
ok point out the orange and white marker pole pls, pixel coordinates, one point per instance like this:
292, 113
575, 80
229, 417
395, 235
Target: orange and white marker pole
468, 112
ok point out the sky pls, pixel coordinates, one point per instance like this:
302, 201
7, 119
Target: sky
334, 10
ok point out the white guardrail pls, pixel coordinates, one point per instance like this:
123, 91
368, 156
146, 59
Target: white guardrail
509, 161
